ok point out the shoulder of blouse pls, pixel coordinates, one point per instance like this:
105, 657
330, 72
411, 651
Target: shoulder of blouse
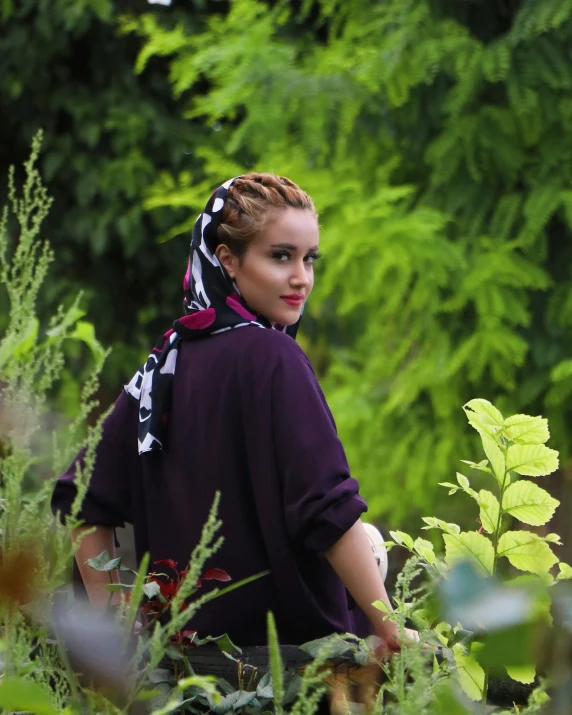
267, 350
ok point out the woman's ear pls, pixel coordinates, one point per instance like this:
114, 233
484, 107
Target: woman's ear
227, 259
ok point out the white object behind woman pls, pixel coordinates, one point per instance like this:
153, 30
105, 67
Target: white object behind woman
378, 549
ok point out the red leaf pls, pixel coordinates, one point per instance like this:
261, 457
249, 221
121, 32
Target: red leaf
169, 589
216, 575
188, 635
167, 562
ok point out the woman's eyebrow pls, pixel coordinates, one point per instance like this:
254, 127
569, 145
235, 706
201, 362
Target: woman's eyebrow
291, 246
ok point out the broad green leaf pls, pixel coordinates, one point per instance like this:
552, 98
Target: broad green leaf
523, 429
425, 549
529, 503
151, 589
99, 562
334, 645
469, 673
489, 510
565, 571
482, 427
472, 547
264, 688
486, 411
113, 587
522, 673
553, 539
112, 564
511, 645
495, 457
85, 332
526, 551
19, 694
483, 417
532, 460
402, 539
434, 523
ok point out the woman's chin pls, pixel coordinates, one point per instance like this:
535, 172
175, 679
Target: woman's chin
286, 317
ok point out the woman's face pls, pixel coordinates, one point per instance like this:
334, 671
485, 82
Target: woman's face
276, 274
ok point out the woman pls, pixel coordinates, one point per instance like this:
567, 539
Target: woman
228, 401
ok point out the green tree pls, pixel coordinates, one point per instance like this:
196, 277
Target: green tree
107, 134
435, 142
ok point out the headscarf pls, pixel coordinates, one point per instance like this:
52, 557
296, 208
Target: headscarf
213, 304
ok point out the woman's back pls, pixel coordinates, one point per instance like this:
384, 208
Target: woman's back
247, 418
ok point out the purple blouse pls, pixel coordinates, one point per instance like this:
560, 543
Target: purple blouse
247, 418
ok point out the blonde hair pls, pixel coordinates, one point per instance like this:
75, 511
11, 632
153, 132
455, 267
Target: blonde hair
253, 201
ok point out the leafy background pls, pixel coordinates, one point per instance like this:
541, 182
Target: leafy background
435, 137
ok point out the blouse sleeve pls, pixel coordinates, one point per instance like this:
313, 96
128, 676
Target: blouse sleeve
108, 499
321, 499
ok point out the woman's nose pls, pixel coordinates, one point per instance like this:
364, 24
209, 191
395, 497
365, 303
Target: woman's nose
300, 277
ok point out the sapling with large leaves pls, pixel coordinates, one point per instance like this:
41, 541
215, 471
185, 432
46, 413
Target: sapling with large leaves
515, 447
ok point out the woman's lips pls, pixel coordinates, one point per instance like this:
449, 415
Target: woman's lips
295, 300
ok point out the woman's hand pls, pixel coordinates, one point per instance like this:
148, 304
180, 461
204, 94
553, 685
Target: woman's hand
392, 640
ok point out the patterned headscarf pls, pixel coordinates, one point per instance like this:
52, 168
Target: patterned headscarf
213, 304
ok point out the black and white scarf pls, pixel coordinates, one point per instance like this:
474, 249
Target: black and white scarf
213, 304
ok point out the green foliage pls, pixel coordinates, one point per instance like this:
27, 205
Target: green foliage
33, 360
435, 148
434, 140
413, 676
108, 135
36, 553
21, 695
514, 446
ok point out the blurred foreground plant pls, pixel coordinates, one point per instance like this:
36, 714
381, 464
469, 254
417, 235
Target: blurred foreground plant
35, 553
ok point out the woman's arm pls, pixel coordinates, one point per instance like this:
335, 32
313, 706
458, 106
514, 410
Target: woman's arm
95, 582
353, 561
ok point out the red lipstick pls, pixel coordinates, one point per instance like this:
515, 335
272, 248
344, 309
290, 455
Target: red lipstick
295, 299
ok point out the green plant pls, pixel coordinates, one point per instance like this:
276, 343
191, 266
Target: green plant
514, 447
413, 677
35, 552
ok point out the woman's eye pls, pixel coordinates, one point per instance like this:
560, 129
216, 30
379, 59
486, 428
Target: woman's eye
281, 255
313, 257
